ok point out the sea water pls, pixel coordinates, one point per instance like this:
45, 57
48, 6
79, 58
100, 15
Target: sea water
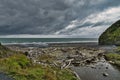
46, 40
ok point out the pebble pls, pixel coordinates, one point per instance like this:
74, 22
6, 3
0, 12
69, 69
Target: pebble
106, 67
105, 74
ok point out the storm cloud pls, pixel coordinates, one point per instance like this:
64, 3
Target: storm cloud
81, 18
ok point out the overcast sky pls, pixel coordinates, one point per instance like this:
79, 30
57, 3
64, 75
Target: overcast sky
78, 18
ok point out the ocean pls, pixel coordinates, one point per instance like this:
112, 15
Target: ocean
46, 40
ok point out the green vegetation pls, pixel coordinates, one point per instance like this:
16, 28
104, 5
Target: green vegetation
118, 49
46, 58
19, 67
5, 52
111, 35
113, 58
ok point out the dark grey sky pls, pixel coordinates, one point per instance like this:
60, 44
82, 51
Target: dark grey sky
83, 18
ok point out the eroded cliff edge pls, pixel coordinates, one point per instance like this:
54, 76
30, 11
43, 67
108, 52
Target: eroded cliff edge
111, 36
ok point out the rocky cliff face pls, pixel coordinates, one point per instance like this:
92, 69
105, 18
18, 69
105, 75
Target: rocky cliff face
111, 36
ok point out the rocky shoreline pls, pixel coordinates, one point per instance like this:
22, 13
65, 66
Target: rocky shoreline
62, 56
66, 57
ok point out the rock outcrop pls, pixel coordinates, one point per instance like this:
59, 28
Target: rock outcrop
111, 36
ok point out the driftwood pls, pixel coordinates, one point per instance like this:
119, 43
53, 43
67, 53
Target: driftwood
55, 64
76, 75
65, 65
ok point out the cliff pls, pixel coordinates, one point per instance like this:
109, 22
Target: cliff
111, 36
